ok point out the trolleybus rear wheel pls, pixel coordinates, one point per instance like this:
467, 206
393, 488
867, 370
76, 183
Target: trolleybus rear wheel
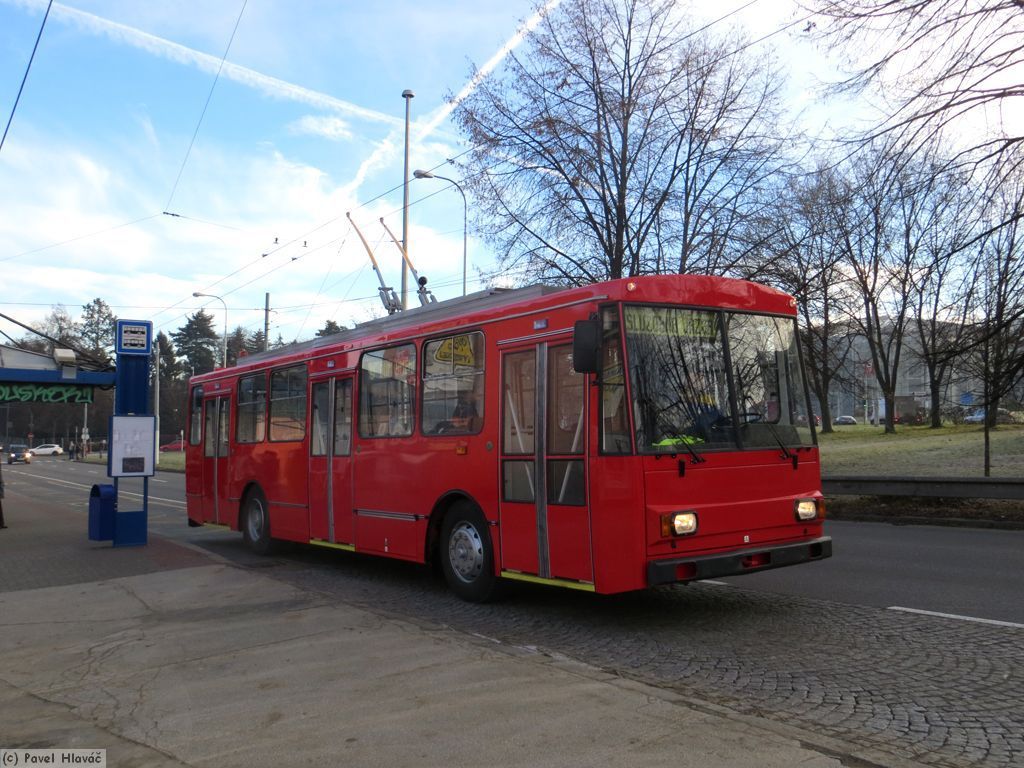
256, 523
466, 556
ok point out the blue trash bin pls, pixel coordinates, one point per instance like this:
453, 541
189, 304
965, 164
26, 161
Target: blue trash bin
102, 507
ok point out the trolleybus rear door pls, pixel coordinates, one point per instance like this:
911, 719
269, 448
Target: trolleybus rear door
330, 463
545, 520
216, 417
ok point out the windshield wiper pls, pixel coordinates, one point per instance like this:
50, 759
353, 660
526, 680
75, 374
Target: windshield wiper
786, 453
684, 440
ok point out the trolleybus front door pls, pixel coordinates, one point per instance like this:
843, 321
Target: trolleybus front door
545, 519
216, 417
330, 462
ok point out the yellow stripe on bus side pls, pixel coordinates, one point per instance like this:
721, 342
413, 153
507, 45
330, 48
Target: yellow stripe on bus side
550, 582
332, 545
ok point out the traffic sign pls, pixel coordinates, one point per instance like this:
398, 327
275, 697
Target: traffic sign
134, 337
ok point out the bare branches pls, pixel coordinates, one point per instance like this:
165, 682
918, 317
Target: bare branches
618, 139
944, 66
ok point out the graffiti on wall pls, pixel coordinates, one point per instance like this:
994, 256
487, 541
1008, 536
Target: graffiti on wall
45, 393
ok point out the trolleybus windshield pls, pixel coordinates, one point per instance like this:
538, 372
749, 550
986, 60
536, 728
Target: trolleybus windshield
714, 380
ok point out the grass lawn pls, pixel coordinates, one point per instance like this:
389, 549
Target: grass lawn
172, 460
953, 451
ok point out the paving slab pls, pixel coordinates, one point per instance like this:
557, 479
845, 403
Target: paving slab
219, 666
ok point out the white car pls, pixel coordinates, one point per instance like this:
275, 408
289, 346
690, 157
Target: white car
49, 449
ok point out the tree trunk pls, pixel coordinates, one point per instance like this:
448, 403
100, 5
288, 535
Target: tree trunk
935, 406
826, 417
890, 413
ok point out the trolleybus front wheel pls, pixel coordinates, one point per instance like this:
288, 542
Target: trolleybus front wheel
256, 523
466, 556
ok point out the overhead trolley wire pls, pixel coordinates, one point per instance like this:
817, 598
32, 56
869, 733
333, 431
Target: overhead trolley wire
25, 76
209, 96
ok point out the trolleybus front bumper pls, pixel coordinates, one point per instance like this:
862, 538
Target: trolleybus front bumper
734, 563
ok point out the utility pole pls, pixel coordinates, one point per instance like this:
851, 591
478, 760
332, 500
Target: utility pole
156, 407
266, 323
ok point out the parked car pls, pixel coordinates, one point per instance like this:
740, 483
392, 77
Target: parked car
19, 453
47, 449
1003, 416
844, 420
172, 446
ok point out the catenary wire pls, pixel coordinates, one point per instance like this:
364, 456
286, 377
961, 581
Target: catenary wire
25, 76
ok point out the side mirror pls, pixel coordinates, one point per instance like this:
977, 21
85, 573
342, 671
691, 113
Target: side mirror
586, 346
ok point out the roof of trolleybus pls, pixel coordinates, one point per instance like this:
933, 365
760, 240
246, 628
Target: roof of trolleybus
498, 304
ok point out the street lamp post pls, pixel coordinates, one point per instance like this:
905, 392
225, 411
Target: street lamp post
408, 96
465, 215
224, 341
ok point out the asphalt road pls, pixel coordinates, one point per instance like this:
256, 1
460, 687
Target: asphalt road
964, 572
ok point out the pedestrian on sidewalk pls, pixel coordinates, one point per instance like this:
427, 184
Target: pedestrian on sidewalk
71, 451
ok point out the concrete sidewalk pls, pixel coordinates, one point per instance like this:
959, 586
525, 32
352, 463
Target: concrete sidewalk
218, 666
187, 660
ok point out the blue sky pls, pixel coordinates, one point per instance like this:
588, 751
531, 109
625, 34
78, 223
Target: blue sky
305, 123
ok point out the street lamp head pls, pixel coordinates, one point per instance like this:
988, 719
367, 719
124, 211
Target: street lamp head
423, 174
197, 294
407, 94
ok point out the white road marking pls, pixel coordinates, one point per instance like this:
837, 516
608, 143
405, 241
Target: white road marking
175, 502
955, 616
714, 583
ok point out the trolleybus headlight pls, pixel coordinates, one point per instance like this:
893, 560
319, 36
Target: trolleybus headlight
679, 524
806, 509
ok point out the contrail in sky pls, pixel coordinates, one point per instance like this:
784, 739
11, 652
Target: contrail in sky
159, 46
513, 42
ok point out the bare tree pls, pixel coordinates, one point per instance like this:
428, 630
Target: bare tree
879, 234
936, 62
997, 351
945, 282
811, 268
620, 143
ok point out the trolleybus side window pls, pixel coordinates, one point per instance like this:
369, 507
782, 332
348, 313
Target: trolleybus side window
251, 418
343, 418
288, 404
319, 419
195, 430
519, 397
210, 430
387, 392
453, 385
223, 430
566, 434
615, 436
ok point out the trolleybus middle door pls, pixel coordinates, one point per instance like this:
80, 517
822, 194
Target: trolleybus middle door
216, 415
330, 463
545, 520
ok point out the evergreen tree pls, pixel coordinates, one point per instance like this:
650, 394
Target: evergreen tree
170, 368
96, 327
329, 328
237, 340
257, 342
198, 343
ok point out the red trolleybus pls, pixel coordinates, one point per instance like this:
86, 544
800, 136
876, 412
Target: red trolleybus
606, 438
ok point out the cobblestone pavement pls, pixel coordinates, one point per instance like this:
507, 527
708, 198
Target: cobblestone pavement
942, 692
